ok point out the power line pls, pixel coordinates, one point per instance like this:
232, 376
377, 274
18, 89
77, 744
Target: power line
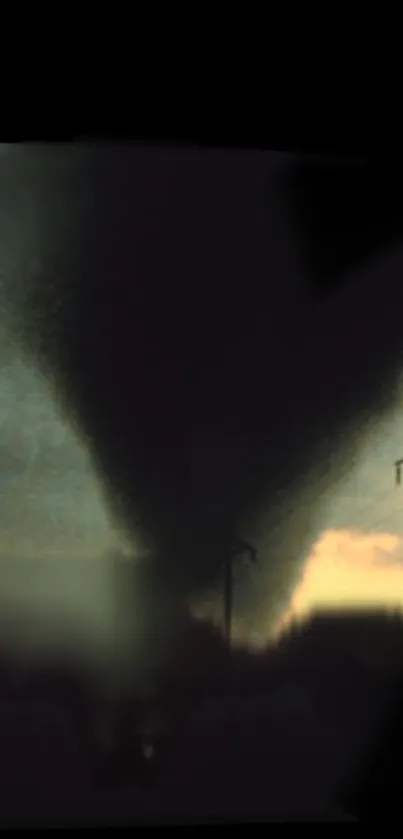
374, 501
385, 519
366, 509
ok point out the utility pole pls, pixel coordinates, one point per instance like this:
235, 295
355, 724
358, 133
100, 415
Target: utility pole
228, 599
398, 467
240, 548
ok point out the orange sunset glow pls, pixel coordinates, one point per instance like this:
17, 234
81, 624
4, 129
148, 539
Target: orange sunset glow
348, 568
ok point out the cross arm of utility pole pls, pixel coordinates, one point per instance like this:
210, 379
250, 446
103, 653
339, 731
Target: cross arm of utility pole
242, 547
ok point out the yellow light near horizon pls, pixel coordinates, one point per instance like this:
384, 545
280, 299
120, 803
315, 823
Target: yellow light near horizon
348, 569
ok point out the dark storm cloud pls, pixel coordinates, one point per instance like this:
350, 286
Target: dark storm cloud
163, 291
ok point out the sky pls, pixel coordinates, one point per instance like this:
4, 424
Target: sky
167, 381
51, 502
